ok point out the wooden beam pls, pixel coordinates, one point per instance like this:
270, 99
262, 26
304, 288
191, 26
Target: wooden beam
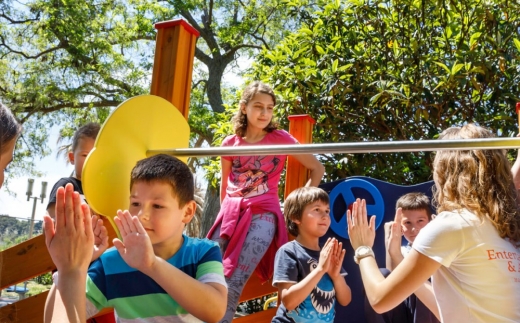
262, 316
29, 310
173, 64
14, 261
24, 261
255, 289
300, 127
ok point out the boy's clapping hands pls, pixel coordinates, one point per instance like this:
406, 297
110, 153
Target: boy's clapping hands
331, 257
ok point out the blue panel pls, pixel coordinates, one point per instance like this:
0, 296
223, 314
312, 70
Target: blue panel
348, 191
381, 198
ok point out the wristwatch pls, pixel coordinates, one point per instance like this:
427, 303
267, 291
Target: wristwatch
363, 252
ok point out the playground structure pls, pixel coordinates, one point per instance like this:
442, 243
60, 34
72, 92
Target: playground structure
171, 81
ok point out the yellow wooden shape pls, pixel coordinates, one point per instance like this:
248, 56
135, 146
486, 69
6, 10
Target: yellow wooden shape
139, 124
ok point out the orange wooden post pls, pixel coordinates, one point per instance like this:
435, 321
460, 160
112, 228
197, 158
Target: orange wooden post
173, 64
300, 127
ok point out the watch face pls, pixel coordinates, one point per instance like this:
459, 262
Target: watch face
364, 251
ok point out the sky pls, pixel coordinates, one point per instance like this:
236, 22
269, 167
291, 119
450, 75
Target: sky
53, 168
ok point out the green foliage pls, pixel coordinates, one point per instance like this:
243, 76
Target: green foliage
68, 62
396, 70
45, 279
37, 288
14, 231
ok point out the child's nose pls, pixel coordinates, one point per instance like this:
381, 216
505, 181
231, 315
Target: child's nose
143, 213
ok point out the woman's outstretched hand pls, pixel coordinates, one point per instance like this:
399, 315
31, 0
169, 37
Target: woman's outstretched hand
70, 241
361, 231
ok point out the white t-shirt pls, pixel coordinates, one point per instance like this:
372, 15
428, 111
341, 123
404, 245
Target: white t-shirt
479, 280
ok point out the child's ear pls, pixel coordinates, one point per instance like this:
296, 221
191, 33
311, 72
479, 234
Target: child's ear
189, 211
71, 157
243, 108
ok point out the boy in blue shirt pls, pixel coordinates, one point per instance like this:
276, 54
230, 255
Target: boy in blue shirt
155, 274
310, 279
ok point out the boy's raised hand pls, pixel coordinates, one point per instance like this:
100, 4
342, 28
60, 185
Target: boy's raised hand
337, 256
70, 241
136, 247
100, 237
395, 233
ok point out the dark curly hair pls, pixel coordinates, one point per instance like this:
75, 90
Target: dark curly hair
240, 119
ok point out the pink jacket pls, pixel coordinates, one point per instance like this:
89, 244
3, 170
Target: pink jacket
235, 217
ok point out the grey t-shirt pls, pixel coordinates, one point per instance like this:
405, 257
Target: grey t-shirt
294, 262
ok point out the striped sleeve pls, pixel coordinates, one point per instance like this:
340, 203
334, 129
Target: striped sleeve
209, 267
96, 286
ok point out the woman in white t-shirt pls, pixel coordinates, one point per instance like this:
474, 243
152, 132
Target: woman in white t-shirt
469, 249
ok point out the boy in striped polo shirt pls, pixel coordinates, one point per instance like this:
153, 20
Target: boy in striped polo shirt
156, 273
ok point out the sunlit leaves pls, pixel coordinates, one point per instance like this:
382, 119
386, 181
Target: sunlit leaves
397, 70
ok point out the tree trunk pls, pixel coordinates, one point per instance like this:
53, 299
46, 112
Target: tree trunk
211, 208
214, 90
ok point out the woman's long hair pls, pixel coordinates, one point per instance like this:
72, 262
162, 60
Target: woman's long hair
240, 119
478, 180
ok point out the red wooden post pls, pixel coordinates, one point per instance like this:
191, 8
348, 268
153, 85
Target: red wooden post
300, 127
173, 64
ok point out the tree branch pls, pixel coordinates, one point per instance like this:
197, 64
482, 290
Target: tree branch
231, 53
31, 110
60, 46
18, 22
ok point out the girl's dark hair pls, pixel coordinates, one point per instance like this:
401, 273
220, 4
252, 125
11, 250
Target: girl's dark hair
10, 128
240, 119
88, 130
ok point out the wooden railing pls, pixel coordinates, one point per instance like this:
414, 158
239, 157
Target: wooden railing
31, 258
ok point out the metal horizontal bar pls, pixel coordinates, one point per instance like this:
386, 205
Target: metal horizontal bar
348, 148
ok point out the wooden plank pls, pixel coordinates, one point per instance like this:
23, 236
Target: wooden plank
258, 317
255, 289
24, 261
14, 261
29, 310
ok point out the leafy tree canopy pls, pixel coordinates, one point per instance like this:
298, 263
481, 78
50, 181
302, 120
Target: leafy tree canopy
396, 70
67, 62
